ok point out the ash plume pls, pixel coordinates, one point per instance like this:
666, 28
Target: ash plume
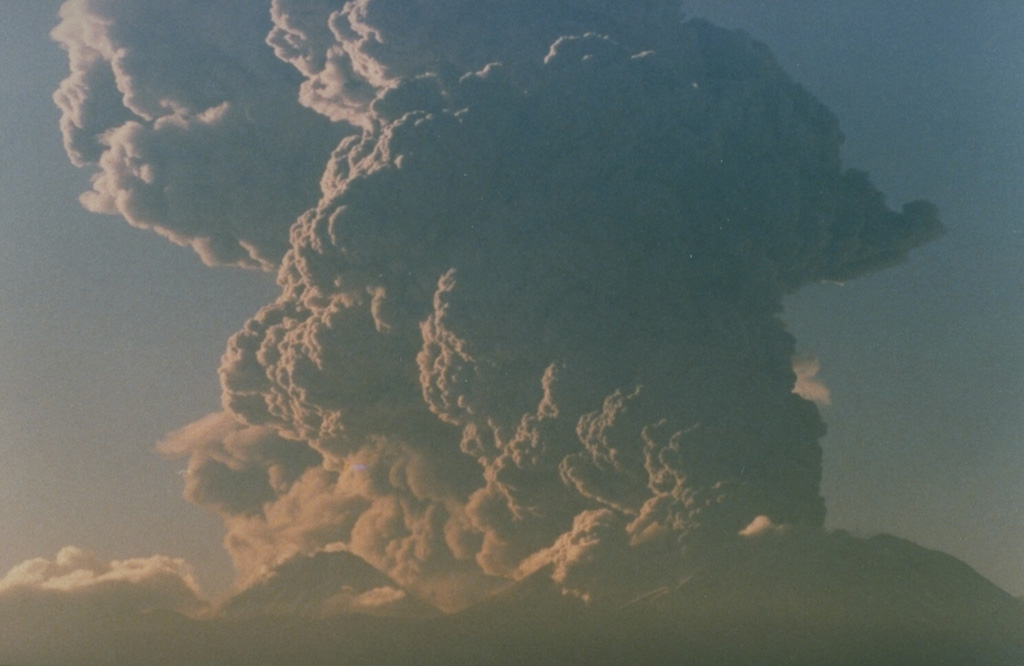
191, 127
533, 320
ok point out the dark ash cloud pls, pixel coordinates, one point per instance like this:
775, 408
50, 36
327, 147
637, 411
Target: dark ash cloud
530, 321
542, 288
191, 127
527, 365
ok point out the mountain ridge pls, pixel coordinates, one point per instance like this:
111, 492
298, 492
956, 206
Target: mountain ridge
788, 599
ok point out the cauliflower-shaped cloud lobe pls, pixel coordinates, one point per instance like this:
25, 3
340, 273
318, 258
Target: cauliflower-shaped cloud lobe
535, 312
192, 128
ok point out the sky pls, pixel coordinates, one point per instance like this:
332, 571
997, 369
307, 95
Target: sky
925, 369
112, 337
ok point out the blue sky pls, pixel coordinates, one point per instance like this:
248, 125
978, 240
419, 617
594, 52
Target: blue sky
926, 437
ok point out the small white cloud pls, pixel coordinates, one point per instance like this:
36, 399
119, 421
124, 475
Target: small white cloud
137, 584
759, 526
808, 386
380, 596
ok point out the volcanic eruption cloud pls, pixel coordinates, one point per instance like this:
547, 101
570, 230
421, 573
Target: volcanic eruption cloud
533, 321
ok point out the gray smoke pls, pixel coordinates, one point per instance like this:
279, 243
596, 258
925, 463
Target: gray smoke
190, 124
534, 317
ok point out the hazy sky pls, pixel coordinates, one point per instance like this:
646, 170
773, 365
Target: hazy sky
926, 369
111, 336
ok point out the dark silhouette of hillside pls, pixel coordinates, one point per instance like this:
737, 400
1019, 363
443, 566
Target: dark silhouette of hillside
797, 599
